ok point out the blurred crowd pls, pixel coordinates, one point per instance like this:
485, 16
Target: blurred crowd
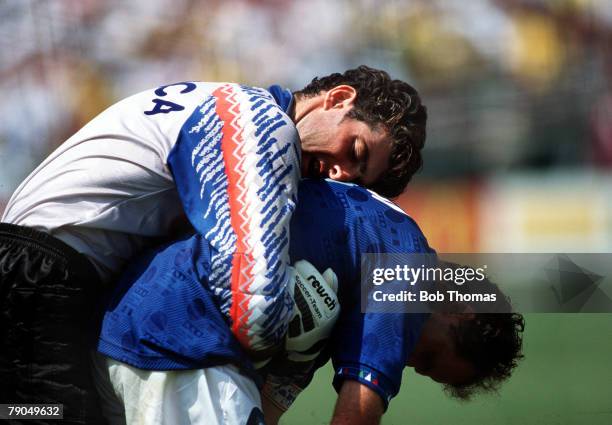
511, 85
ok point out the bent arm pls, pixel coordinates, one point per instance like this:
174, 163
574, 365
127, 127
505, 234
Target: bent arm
236, 168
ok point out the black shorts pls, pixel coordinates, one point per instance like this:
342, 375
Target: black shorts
48, 294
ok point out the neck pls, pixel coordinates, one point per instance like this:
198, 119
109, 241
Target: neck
305, 105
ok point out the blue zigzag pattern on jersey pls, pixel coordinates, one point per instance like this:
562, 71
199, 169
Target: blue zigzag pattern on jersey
214, 183
207, 203
205, 197
268, 120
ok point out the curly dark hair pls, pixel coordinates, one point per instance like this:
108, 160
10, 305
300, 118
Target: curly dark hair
392, 104
491, 341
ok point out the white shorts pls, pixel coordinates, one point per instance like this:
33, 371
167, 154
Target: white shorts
212, 396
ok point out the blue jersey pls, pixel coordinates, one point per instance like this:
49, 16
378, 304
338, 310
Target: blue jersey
333, 225
165, 316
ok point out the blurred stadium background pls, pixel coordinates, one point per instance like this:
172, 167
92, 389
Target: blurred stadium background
518, 155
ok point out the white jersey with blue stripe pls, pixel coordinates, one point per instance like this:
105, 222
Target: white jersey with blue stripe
225, 156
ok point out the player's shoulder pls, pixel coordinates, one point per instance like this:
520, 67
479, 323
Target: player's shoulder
378, 223
349, 196
166, 99
263, 115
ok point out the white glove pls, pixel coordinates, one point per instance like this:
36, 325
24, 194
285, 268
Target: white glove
316, 309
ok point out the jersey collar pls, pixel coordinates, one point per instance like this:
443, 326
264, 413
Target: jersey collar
283, 97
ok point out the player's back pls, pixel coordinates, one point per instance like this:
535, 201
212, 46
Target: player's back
335, 223
162, 304
333, 226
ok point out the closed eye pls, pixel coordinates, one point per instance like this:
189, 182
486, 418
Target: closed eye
360, 155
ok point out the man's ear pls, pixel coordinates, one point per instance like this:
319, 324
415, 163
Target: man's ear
339, 97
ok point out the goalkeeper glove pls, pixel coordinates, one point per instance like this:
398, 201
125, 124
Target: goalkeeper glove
316, 310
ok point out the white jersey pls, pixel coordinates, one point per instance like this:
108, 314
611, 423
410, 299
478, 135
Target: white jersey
108, 190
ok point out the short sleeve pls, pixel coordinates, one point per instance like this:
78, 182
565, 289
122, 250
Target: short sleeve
373, 348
